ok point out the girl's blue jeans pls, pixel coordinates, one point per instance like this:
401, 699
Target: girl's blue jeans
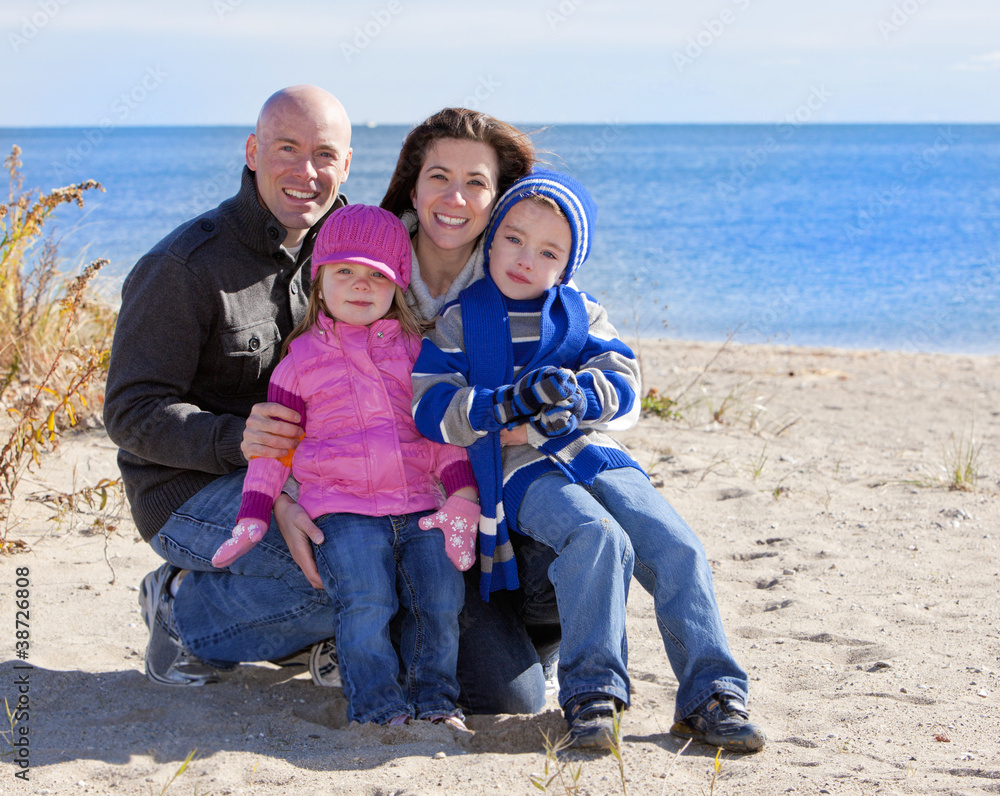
263, 608
371, 567
621, 510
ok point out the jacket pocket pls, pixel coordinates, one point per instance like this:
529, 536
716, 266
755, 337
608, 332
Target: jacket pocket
247, 354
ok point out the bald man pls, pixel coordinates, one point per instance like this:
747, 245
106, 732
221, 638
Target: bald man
202, 319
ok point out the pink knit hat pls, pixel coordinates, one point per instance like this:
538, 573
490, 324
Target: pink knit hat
365, 235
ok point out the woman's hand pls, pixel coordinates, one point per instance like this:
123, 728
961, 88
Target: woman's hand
272, 430
299, 530
514, 436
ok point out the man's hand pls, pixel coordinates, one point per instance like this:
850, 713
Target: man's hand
299, 530
272, 430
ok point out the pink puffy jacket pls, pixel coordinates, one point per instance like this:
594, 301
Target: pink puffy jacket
361, 452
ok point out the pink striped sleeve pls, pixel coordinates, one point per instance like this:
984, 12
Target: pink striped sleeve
266, 476
453, 468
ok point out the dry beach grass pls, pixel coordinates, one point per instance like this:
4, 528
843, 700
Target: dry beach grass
857, 576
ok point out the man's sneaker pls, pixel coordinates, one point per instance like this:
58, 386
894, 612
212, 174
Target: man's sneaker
323, 666
551, 672
167, 661
722, 720
591, 720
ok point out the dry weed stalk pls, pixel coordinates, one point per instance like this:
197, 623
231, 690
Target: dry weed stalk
8, 737
178, 772
716, 768
558, 772
561, 774
54, 339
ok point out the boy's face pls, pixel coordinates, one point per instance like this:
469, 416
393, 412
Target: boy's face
530, 250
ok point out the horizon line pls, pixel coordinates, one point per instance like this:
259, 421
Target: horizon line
371, 124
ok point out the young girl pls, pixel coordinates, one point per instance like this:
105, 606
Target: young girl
368, 478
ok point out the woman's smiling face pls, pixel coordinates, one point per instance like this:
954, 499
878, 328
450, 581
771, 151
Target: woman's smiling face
455, 192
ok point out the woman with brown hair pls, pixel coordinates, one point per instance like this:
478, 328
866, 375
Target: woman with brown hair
451, 170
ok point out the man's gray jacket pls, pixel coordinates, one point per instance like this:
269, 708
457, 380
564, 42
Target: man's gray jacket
200, 328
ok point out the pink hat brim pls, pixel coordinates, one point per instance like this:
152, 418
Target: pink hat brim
362, 260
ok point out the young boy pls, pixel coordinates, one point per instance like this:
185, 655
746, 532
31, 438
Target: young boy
525, 353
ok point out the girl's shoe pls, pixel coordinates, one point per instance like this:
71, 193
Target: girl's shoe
455, 722
398, 721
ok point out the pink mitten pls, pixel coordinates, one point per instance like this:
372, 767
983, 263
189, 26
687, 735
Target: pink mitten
245, 535
458, 518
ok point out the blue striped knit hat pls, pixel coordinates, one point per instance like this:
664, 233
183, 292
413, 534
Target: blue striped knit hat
572, 199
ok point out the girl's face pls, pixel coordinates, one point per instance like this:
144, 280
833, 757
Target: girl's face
454, 194
355, 294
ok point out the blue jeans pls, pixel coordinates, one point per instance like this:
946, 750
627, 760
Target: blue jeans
504, 644
262, 607
364, 563
670, 564
591, 575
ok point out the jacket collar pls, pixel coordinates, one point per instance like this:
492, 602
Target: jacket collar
382, 329
256, 226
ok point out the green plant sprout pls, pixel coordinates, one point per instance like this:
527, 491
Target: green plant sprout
961, 462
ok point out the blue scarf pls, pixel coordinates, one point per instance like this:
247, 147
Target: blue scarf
486, 330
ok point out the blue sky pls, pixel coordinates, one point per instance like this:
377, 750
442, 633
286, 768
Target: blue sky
144, 62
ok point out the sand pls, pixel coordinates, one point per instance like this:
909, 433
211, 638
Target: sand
857, 588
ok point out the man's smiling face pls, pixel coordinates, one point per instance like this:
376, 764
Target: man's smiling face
301, 153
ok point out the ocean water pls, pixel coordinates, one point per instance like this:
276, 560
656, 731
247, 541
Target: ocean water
856, 236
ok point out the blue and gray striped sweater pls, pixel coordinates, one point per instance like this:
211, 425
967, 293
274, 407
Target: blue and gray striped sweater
447, 408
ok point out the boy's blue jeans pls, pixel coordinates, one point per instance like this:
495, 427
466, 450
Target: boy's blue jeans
263, 608
364, 563
591, 575
670, 563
